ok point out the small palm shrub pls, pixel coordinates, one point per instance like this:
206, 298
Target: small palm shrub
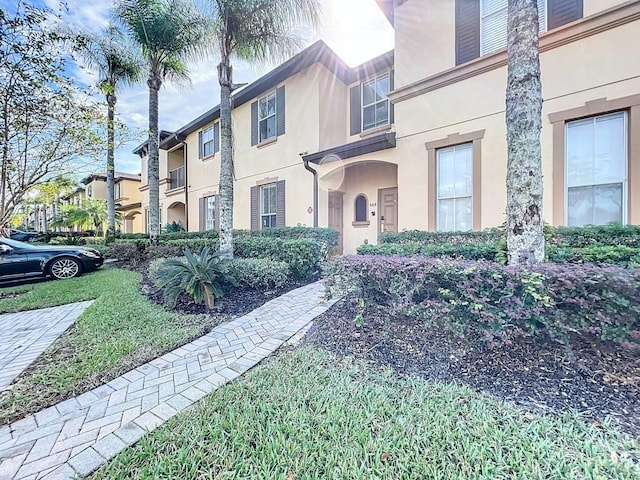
198, 275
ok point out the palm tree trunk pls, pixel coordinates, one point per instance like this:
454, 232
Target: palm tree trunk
226, 158
111, 201
525, 240
153, 167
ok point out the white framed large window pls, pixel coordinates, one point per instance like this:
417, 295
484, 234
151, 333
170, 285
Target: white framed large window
375, 102
596, 170
267, 117
454, 172
268, 201
493, 24
207, 142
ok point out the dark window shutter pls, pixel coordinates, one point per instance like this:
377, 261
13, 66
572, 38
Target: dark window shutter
467, 30
561, 12
280, 108
254, 123
280, 204
391, 87
200, 149
356, 110
202, 214
216, 220
254, 208
216, 137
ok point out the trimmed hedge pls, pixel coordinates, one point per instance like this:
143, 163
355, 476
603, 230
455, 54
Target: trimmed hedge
598, 254
591, 235
302, 255
498, 303
470, 251
437, 238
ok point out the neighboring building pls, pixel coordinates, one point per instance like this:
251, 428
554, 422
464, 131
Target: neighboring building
416, 137
126, 193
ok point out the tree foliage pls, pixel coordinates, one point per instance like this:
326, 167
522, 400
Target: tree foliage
254, 31
46, 121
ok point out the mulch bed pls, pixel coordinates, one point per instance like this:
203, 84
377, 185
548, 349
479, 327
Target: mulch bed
537, 374
234, 303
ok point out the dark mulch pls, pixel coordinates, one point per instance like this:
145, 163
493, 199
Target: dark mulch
537, 374
234, 303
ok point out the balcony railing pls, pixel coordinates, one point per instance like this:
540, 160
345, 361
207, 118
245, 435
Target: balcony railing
176, 178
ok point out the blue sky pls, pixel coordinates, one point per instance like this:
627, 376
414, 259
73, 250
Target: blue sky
355, 29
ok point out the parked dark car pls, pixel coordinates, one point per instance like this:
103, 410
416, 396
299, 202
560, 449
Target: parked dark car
18, 259
21, 236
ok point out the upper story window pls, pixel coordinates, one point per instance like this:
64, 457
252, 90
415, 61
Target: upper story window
267, 117
481, 25
116, 191
493, 24
89, 191
375, 104
596, 170
209, 140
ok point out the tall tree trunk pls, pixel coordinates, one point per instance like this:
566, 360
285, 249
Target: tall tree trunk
153, 166
525, 240
111, 201
225, 78
45, 220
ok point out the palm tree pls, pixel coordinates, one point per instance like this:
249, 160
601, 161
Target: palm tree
254, 31
525, 240
117, 63
170, 32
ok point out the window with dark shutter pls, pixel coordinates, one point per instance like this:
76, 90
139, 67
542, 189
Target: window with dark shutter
467, 30
254, 208
355, 110
280, 204
561, 12
202, 214
216, 137
254, 123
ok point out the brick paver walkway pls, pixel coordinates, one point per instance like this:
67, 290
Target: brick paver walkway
25, 335
78, 435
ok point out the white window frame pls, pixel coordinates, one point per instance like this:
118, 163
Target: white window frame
116, 190
273, 215
268, 116
207, 143
543, 23
625, 182
374, 80
210, 213
439, 198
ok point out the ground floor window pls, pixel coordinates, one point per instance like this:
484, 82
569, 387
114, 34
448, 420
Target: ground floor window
268, 200
596, 166
210, 212
454, 172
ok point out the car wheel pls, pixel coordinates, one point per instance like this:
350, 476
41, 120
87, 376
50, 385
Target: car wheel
64, 268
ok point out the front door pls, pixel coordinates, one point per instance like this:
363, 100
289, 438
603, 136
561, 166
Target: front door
388, 210
335, 217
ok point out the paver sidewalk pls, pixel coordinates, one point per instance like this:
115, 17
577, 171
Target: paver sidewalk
78, 435
25, 335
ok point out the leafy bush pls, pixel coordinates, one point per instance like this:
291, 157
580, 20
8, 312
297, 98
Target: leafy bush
303, 255
258, 273
157, 264
127, 253
70, 240
197, 275
493, 235
591, 235
470, 251
599, 254
498, 303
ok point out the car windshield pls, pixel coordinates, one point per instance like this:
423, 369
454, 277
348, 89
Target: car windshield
16, 244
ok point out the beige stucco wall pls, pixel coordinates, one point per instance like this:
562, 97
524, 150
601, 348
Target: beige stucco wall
572, 75
129, 191
99, 189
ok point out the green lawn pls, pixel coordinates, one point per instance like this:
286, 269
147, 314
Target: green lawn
121, 330
308, 415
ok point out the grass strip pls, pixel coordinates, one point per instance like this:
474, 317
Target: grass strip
308, 415
122, 329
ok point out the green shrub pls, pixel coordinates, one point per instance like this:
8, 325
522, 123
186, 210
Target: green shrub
157, 264
493, 235
599, 254
105, 250
128, 253
198, 275
592, 235
258, 273
470, 251
498, 303
302, 255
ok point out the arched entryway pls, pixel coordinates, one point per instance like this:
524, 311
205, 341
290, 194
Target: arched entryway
176, 213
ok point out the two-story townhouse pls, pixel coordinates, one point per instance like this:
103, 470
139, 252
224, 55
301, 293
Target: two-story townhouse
449, 98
